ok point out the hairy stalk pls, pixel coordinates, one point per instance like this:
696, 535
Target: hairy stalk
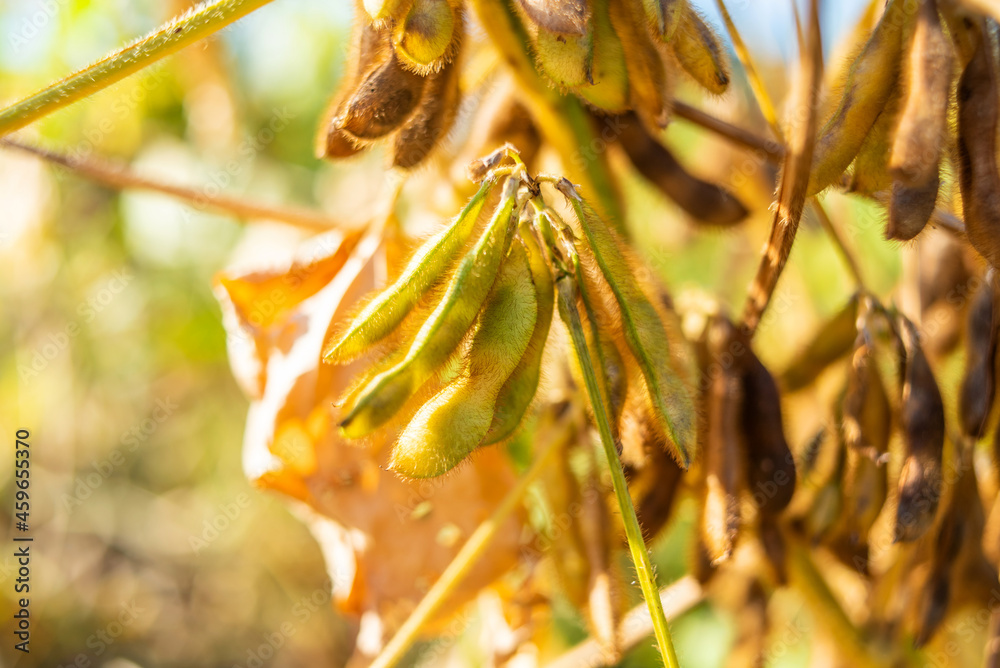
121, 178
471, 551
794, 180
562, 119
756, 83
640, 557
186, 29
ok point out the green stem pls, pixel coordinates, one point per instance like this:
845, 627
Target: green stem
186, 29
463, 562
640, 557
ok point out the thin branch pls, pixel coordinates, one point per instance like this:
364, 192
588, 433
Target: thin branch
773, 149
471, 551
838, 241
567, 291
199, 22
120, 177
676, 598
794, 180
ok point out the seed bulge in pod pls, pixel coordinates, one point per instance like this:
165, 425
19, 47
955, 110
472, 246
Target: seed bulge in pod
519, 389
383, 100
432, 120
923, 438
436, 340
649, 86
867, 421
871, 167
562, 35
383, 314
662, 16
454, 422
608, 88
429, 37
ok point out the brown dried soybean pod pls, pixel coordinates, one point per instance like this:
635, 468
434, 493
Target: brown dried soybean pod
723, 456
910, 208
368, 46
770, 464
705, 201
923, 438
977, 148
383, 100
979, 382
923, 122
431, 121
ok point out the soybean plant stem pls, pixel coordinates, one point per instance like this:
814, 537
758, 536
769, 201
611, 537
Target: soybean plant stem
463, 562
838, 241
121, 177
640, 557
199, 22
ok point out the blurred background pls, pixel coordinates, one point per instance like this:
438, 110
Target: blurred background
151, 549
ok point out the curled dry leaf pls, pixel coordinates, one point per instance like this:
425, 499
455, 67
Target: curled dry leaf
386, 540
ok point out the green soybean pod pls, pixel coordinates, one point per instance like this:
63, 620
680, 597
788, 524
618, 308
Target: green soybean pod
455, 421
386, 311
444, 329
518, 391
645, 333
